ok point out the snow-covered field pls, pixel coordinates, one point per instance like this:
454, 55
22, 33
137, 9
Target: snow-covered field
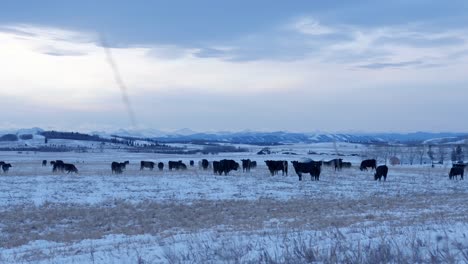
193, 216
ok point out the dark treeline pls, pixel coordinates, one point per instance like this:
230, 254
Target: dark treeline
73, 136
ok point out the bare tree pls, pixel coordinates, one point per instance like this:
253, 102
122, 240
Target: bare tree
410, 154
441, 153
430, 154
420, 152
453, 156
459, 154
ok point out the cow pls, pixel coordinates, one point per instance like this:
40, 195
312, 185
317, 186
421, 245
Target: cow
1, 163
370, 163
146, 164
205, 164
338, 163
192, 163
118, 167
160, 166
6, 167
312, 167
70, 168
277, 165
225, 166
253, 164
44, 163
381, 171
216, 168
455, 171
246, 164
58, 165
178, 165
459, 165
346, 165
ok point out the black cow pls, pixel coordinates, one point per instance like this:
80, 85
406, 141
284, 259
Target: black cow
70, 168
216, 168
381, 171
118, 167
346, 164
277, 165
253, 164
459, 165
178, 165
192, 163
225, 166
205, 164
146, 164
246, 165
58, 165
370, 163
455, 171
336, 163
313, 168
6, 167
44, 163
160, 166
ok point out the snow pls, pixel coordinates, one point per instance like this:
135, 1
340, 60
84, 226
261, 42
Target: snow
417, 209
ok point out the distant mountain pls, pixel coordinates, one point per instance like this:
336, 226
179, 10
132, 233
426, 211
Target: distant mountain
270, 138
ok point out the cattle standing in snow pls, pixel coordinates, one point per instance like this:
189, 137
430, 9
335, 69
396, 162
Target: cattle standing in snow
246, 165
225, 166
177, 165
192, 163
370, 163
70, 168
57, 165
119, 167
455, 171
216, 168
381, 171
160, 166
146, 164
335, 163
338, 164
312, 167
277, 165
44, 163
6, 167
253, 164
205, 164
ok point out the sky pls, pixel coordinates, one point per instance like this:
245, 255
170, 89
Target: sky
396, 66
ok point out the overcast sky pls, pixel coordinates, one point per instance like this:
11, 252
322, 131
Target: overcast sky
235, 65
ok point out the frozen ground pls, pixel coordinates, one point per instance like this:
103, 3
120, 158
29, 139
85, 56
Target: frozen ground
418, 215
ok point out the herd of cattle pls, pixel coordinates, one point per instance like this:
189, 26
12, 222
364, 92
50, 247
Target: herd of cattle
225, 166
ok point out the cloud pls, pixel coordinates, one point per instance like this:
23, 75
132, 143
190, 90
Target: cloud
250, 82
310, 26
391, 65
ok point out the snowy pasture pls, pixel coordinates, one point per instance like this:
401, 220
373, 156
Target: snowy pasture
193, 216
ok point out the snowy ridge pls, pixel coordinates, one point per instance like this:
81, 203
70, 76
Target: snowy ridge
255, 137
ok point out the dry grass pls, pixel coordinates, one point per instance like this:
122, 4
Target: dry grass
68, 222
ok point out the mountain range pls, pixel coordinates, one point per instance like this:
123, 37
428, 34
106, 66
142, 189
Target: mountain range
255, 137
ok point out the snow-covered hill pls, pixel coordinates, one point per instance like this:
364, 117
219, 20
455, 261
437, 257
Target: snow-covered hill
253, 137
